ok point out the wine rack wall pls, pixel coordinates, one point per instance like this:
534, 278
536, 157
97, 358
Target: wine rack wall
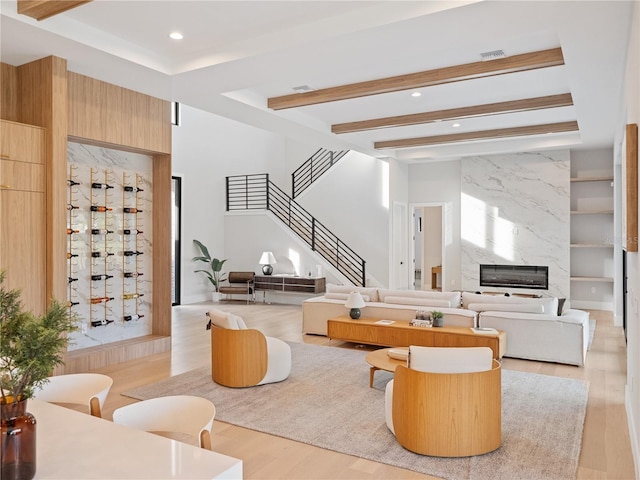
109, 255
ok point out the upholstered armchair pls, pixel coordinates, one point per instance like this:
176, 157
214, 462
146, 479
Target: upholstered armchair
243, 357
446, 402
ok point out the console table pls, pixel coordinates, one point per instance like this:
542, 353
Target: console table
401, 334
288, 283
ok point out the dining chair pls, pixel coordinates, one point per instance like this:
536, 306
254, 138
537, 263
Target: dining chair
183, 414
89, 389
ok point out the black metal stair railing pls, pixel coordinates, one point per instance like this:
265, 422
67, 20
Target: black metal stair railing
313, 168
257, 192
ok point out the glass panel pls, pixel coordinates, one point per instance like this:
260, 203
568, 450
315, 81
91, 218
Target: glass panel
175, 239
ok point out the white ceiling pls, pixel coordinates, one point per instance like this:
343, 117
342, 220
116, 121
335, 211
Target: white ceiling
236, 54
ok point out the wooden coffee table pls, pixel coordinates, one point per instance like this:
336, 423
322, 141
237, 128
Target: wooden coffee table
400, 334
380, 360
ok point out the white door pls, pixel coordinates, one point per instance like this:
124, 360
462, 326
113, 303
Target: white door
400, 257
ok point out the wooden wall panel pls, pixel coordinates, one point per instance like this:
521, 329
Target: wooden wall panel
162, 245
42, 87
8, 89
109, 114
630, 189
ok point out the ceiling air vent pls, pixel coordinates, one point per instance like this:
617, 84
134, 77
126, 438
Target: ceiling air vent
493, 55
303, 89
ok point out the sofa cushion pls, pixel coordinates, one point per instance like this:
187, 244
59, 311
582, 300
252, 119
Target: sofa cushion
370, 291
549, 304
506, 307
452, 297
344, 296
422, 302
226, 320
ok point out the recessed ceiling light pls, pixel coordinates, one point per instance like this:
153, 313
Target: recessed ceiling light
176, 35
416, 94
455, 125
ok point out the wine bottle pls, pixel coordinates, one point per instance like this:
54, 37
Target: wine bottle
128, 318
128, 188
71, 183
101, 276
71, 207
100, 323
130, 296
101, 299
71, 231
103, 186
100, 208
71, 255
72, 304
101, 254
100, 231
132, 274
127, 231
131, 210
71, 279
130, 253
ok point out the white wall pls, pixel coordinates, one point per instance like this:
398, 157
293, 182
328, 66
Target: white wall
206, 149
632, 115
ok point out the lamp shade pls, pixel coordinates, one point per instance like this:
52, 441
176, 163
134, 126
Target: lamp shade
267, 258
355, 300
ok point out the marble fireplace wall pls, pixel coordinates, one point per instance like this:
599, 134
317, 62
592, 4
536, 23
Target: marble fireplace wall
515, 211
117, 319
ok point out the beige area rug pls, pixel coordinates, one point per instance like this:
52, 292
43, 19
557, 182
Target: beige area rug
327, 402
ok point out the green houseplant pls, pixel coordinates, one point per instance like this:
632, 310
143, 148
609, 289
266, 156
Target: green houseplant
31, 346
214, 272
437, 318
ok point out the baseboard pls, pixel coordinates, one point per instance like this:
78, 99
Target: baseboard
633, 433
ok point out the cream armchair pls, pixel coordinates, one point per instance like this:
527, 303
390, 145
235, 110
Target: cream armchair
447, 402
242, 357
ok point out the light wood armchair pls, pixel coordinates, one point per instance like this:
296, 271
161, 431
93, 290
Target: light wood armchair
243, 357
448, 414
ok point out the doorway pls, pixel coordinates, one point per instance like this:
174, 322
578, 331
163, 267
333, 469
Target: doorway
428, 247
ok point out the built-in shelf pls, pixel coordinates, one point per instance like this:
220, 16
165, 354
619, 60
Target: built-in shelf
593, 179
591, 245
591, 212
592, 279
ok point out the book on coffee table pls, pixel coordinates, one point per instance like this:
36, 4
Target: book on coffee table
485, 331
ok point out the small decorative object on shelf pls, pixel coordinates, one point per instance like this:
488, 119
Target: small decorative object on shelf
423, 319
100, 208
100, 231
100, 323
128, 318
132, 274
103, 186
131, 253
131, 210
128, 231
101, 299
129, 188
101, 254
267, 259
102, 276
437, 318
131, 296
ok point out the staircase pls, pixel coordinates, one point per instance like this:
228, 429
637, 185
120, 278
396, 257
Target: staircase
257, 192
313, 168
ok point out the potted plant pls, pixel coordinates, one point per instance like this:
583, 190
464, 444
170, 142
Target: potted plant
214, 273
437, 318
31, 346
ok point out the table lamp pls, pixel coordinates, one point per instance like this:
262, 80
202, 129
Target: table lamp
266, 260
355, 302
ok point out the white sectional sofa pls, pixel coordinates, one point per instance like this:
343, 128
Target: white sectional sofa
384, 304
536, 329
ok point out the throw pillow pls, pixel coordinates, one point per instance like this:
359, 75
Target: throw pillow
506, 307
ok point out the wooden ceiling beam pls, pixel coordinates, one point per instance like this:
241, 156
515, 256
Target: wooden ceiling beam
41, 9
523, 105
479, 135
517, 63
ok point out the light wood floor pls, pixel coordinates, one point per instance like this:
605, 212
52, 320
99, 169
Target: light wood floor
605, 454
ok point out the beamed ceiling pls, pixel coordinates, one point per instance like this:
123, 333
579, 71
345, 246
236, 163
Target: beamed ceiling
417, 81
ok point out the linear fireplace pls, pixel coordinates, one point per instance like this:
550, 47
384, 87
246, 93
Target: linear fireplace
514, 276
